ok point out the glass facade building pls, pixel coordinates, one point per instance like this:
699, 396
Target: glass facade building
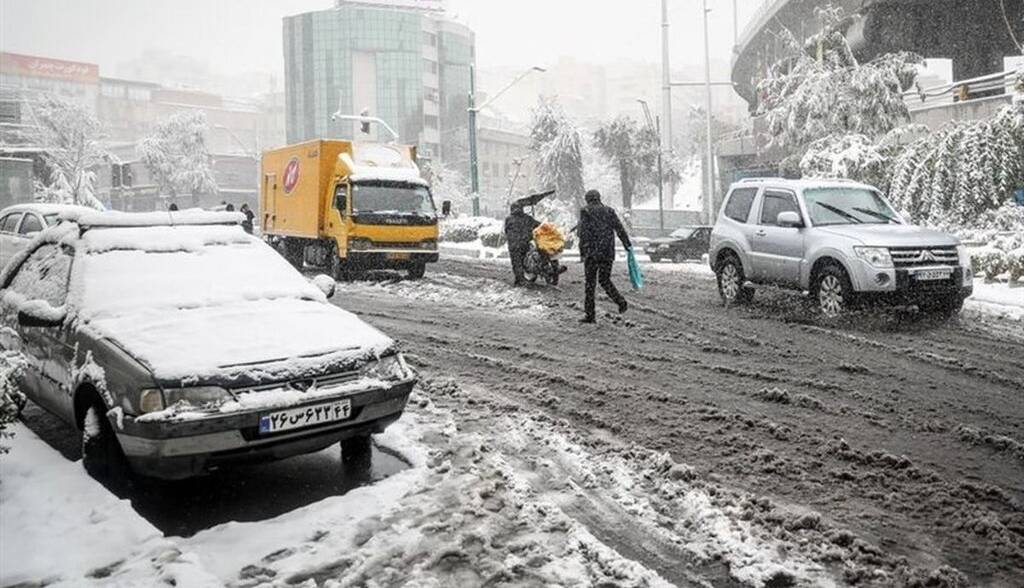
407, 65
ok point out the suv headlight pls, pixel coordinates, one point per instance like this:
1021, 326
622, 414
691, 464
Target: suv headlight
875, 256
964, 256
389, 368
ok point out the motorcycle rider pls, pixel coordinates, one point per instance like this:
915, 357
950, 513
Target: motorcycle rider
519, 228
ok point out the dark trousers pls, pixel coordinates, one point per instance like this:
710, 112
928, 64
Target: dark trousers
599, 271
518, 257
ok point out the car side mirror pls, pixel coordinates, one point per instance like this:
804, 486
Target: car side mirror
325, 284
789, 219
40, 317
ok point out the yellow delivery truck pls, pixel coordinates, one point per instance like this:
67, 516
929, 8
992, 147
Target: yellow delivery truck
348, 206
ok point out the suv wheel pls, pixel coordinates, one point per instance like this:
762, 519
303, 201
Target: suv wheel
101, 453
730, 282
834, 292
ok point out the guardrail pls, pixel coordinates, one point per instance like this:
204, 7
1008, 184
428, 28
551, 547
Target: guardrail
961, 91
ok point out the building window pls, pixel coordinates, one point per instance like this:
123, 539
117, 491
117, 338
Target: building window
430, 66
430, 39
430, 121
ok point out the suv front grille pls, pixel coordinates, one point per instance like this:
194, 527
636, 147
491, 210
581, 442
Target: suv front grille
917, 257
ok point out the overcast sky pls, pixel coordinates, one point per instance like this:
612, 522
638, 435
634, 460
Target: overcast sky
245, 35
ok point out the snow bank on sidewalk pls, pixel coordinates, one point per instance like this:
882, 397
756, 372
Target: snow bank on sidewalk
62, 528
998, 298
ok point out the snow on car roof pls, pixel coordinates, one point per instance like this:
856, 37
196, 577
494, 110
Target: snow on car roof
112, 218
48, 208
803, 184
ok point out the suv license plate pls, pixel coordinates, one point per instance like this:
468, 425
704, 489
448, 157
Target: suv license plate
932, 275
307, 416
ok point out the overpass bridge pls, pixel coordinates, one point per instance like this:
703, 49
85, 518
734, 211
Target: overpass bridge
975, 34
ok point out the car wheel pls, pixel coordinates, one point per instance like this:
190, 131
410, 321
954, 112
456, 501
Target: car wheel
417, 271
678, 257
834, 292
730, 282
101, 453
945, 307
655, 259
356, 449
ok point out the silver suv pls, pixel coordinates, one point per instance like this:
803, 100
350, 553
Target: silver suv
839, 240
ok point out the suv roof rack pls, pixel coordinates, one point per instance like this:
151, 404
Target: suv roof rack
759, 179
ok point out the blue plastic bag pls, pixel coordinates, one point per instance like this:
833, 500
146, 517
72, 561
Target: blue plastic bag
635, 276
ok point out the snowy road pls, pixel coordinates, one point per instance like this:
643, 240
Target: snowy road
683, 444
903, 433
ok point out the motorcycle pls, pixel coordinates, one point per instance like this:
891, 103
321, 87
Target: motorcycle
545, 251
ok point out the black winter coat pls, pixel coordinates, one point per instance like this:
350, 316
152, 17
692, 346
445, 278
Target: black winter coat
598, 226
519, 228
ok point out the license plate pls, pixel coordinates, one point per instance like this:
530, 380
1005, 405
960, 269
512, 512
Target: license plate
932, 275
399, 256
307, 416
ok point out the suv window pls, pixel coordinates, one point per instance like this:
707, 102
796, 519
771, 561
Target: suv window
30, 225
10, 222
44, 275
774, 203
738, 207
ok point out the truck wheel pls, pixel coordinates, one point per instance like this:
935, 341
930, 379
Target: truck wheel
340, 269
101, 453
417, 271
945, 307
291, 250
834, 292
730, 282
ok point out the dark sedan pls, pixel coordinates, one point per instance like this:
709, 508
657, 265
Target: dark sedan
682, 244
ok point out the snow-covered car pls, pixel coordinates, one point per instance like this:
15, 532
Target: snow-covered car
176, 343
21, 222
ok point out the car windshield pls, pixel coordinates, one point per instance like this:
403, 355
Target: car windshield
848, 206
387, 198
683, 233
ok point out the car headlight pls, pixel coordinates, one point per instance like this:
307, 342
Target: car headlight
391, 367
150, 400
875, 256
198, 396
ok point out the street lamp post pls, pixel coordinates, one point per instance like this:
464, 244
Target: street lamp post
474, 162
655, 124
710, 171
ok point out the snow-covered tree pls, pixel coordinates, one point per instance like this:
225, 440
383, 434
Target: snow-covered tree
963, 170
177, 157
820, 89
448, 184
558, 145
69, 137
11, 398
856, 156
619, 141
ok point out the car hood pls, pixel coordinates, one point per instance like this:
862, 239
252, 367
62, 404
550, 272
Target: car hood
893, 235
268, 340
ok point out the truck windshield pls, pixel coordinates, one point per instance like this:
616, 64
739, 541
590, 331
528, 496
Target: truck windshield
848, 206
385, 198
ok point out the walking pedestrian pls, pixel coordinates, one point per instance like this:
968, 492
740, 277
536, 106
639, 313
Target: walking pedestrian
173, 207
597, 230
519, 228
249, 216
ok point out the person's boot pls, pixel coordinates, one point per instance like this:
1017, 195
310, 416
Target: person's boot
588, 320
623, 307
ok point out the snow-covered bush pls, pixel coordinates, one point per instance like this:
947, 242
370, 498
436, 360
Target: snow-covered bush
1003, 255
467, 229
11, 399
177, 157
964, 170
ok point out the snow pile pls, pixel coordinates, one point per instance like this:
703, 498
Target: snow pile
63, 529
192, 216
465, 229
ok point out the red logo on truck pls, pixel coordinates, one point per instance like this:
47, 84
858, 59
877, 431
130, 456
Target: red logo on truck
291, 175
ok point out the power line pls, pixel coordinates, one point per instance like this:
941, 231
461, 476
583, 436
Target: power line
1006, 19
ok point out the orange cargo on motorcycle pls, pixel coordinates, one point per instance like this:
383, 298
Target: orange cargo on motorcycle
549, 239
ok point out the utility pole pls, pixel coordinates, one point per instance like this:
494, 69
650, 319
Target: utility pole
709, 172
666, 85
655, 126
474, 164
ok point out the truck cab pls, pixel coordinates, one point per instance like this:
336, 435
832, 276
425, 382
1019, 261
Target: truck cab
349, 207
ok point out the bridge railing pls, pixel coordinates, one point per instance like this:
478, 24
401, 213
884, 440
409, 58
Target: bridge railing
985, 86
